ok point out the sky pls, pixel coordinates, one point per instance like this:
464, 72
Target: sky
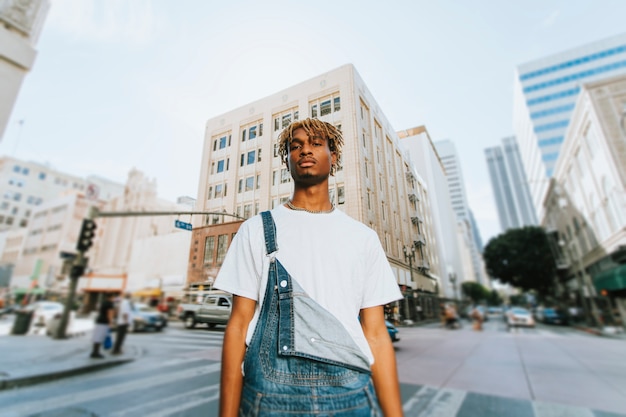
121, 84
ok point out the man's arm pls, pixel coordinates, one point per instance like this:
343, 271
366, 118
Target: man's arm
384, 372
233, 351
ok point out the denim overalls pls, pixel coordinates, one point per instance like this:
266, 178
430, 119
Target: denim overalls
301, 361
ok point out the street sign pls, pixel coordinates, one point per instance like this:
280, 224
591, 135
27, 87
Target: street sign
183, 225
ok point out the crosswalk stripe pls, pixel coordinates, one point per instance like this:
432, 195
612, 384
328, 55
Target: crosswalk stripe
433, 402
542, 409
141, 408
187, 405
109, 391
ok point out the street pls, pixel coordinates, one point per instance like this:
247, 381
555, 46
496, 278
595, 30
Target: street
545, 371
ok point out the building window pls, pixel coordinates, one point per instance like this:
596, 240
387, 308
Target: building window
341, 196
222, 245
249, 183
243, 135
285, 176
314, 110
220, 166
240, 186
336, 104
219, 190
252, 134
247, 209
258, 181
223, 142
251, 157
286, 120
209, 247
325, 108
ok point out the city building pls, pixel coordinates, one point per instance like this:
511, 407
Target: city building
21, 22
458, 198
142, 254
25, 185
509, 185
545, 93
241, 173
445, 244
585, 206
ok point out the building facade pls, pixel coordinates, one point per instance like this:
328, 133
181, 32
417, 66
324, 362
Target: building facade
445, 242
545, 93
458, 198
585, 206
241, 173
21, 23
510, 189
26, 185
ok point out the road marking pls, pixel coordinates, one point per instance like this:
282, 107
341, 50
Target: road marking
141, 408
103, 392
433, 402
557, 410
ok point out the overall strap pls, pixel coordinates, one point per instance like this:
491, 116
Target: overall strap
269, 230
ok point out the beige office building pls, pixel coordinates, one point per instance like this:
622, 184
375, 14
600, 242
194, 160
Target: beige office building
241, 172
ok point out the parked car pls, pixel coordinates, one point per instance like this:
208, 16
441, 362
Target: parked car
393, 331
552, 316
518, 316
43, 312
214, 310
146, 318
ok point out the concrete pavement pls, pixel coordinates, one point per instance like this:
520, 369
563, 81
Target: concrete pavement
33, 358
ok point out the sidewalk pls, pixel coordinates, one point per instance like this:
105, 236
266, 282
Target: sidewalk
32, 359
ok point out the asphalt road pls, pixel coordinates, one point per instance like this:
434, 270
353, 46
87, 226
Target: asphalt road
541, 372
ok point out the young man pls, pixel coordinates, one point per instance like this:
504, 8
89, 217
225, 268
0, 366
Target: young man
124, 320
312, 338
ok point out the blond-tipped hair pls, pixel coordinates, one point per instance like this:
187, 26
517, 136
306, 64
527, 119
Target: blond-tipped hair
312, 127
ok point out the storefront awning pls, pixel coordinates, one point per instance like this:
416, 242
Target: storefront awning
148, 292
611, 280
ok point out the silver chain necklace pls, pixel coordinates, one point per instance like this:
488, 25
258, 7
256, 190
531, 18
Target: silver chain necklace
291, 206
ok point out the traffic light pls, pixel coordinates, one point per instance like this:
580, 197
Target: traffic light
87, 233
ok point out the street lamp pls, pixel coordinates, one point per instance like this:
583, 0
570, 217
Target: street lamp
582, 286
409, 255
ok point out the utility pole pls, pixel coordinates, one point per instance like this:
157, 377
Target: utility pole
78, 264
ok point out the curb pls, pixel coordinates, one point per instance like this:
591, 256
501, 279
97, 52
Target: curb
24, 381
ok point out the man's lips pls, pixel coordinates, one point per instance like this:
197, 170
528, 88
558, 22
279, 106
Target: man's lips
305, 163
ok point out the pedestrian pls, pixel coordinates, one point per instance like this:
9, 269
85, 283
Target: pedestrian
124, 320
104, 322
311, 340
477, 319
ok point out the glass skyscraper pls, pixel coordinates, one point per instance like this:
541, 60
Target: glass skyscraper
510, 189
546, 91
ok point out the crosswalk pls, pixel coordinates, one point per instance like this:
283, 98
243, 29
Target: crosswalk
180, 377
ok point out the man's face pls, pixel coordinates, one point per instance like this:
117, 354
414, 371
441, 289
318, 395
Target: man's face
310, 158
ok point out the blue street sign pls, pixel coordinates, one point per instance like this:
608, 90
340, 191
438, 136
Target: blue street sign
183, 225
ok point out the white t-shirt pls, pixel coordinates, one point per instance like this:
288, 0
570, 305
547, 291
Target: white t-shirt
337, 260
124, 308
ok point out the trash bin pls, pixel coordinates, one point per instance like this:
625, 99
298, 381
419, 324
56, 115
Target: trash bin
22, 321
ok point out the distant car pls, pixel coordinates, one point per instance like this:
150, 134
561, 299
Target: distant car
495, 310
552, 316
393, 331
147, 318
518, 316
43, 312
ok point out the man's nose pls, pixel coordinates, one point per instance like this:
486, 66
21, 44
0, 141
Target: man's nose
305, 150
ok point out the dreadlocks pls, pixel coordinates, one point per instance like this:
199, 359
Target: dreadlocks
312, 127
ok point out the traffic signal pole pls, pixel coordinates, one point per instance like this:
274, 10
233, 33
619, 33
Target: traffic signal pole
78, 264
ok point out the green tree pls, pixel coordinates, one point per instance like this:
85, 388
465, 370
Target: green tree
523, 259
494, 298
475, 291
